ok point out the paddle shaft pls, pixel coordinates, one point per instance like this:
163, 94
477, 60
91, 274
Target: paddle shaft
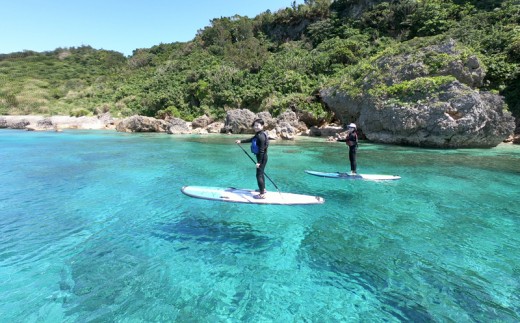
269, 178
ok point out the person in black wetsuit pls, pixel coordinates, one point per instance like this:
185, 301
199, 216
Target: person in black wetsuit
352, 143
259, 144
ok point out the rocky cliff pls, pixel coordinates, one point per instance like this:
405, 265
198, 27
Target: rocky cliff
427, 96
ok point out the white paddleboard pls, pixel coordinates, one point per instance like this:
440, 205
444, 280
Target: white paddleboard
368, 177
230, 194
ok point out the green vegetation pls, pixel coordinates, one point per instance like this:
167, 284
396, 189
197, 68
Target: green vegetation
409, 91
273, 62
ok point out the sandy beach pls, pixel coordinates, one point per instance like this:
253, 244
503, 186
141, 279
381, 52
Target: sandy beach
33, 122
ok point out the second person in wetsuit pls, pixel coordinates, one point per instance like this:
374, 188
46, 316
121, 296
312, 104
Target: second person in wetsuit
259, 144
352, 143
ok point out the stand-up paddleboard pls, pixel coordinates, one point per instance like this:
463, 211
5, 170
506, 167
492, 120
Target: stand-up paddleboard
230, 194
368, 177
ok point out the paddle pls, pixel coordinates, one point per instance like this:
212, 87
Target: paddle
269, 178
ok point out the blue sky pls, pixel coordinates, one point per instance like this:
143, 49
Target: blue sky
119, 25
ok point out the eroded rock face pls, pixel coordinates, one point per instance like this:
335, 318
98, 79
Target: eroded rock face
239, 121
177, 126
286, 126
202, 122
142, 124
215, 127
455, 115
461, 118
21, 124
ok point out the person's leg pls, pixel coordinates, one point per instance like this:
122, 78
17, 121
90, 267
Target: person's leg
260, 176
352, 158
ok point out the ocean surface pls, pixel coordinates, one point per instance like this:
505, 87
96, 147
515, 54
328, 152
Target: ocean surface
94, 228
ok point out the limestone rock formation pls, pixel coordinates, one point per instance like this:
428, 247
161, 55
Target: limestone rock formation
239, 121
177, 126
408, 100
142, 124
202, 122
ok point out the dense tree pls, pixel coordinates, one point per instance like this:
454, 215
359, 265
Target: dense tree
274, 61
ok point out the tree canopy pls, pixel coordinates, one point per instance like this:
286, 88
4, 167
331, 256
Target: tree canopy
272, 62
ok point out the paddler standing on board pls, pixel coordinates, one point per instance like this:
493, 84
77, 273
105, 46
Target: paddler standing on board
259, 143
352, 143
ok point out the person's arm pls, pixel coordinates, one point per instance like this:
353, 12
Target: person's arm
245, 141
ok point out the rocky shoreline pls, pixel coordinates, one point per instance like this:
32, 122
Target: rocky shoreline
287, 126
56, 123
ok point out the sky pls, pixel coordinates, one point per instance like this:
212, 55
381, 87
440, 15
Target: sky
118, 25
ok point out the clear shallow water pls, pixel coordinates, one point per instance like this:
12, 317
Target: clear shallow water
93, 227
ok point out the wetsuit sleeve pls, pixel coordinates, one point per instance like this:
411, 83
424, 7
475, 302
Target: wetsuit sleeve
246, 140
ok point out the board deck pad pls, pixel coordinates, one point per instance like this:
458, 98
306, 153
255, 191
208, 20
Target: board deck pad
235, 195
368, 177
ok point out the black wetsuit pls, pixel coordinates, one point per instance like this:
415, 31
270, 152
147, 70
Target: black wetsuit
261, 158
352, 142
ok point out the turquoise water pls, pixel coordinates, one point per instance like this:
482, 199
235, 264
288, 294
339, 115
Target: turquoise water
93, 227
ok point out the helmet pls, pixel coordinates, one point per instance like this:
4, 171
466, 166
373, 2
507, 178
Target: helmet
352, 125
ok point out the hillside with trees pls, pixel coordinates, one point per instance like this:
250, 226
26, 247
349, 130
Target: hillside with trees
272, 62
